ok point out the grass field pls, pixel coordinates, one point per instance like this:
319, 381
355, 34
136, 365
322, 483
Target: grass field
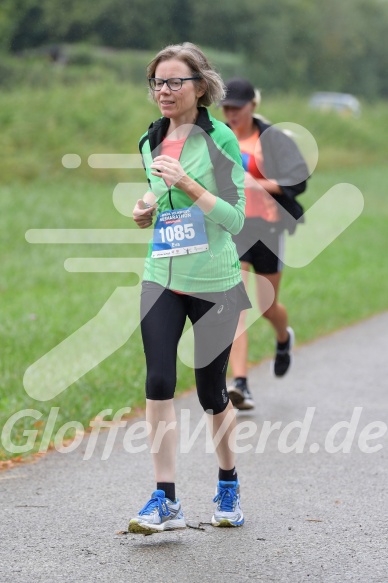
42, 303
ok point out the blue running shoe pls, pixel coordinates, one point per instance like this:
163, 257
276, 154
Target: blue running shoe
157, 515
228, 511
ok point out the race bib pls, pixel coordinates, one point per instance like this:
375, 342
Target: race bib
179, 232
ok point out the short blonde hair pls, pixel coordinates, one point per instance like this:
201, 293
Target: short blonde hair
195, 59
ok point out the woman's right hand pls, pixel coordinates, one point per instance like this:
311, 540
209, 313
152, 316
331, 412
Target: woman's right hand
142, 214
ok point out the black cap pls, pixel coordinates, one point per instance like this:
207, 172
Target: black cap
238, 93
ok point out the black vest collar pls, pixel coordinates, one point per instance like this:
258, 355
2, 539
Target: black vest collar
158, 129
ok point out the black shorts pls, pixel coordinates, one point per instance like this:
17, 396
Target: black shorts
261, 244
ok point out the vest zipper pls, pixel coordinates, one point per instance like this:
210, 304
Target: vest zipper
170, 262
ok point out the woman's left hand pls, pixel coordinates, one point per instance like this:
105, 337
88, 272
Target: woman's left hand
171, 170
168, 168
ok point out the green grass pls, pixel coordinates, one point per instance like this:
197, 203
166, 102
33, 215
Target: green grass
42, 303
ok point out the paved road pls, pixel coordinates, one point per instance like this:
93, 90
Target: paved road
310, 516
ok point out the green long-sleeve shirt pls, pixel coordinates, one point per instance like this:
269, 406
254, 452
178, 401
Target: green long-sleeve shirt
211, 156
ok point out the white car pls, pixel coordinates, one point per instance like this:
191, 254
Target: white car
343, 103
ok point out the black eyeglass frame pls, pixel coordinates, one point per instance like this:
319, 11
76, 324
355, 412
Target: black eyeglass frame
181, 79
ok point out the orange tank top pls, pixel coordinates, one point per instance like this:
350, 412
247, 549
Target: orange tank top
258, 204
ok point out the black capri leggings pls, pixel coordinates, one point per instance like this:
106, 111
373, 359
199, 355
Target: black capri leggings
214, 317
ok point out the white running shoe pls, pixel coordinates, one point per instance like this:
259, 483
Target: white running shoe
228, 511
159, 514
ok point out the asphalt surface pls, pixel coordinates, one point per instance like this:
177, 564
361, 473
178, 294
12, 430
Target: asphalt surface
310, 516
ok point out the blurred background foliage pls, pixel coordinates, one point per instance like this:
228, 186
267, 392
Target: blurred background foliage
287, 45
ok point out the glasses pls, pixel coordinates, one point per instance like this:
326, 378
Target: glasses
175, 83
